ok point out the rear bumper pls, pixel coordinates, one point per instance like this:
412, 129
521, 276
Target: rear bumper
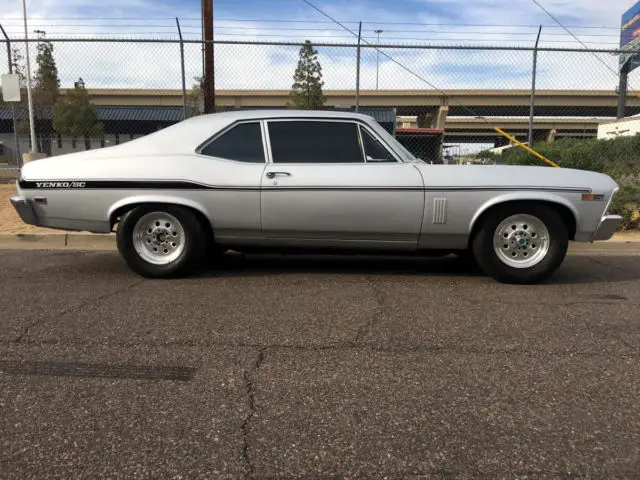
25, 210
606, 229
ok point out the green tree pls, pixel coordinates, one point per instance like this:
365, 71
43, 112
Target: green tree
75, 116
619, 158
306, 92
18, 66
46, 89
193, 99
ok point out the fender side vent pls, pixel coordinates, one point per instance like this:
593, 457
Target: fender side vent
439, 210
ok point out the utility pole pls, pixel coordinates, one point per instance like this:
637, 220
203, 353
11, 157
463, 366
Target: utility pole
209, 85
13, 111
377, 57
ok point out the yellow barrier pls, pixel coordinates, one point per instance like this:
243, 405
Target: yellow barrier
528, 149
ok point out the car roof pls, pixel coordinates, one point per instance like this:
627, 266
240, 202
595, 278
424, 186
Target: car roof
234, 115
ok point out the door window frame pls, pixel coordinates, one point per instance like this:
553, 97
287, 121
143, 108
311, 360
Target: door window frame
377, 139
228, 128
357, 123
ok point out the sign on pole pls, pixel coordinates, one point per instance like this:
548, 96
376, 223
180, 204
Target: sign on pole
11, 87
630, 37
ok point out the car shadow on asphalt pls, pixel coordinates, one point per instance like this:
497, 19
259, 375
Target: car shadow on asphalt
575, 269
233, 264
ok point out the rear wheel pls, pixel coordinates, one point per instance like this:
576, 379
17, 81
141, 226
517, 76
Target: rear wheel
521, 243
158, 241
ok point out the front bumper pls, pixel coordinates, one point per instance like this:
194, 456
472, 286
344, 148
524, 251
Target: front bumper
25, 210
606, 229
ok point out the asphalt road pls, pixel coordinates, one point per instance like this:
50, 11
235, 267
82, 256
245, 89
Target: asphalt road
310, 368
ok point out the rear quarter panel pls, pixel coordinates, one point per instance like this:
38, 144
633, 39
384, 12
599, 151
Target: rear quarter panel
90, 208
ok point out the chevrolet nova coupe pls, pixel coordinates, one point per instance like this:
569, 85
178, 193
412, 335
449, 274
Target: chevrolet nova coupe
299, 181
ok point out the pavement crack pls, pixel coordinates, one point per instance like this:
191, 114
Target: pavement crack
249, 385
612, 268
628, 344
375, 316
43, 316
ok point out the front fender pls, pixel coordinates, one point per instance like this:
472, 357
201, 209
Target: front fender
550, 197
138, 199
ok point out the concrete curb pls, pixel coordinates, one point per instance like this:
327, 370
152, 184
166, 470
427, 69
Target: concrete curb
623, 244
57, 241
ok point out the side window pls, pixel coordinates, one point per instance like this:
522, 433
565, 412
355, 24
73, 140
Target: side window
242, 143
315, 142
374, 150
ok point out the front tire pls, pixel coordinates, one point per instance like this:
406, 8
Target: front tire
521, 243
161, 241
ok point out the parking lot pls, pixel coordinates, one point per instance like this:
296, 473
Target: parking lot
316, 367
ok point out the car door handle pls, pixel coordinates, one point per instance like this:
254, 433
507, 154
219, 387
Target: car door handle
278, 174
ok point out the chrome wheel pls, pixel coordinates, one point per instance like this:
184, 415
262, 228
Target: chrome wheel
521, 241
158, 238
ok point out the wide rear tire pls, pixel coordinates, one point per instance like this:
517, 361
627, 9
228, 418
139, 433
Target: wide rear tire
161, 241
521, 243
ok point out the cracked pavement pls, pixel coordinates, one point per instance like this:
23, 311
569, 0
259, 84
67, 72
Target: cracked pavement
306, 367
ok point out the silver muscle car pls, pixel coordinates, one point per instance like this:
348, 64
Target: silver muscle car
302, 180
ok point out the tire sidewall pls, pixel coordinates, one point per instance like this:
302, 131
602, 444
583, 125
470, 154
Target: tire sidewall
192, 253
491, 264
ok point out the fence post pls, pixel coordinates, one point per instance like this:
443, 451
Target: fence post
622, 89
184, 86
358, 70
16, 150
533, 87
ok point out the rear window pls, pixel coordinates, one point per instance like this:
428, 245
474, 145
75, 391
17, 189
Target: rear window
242, 143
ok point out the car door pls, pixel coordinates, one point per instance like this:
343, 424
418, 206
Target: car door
333, 182
232, 164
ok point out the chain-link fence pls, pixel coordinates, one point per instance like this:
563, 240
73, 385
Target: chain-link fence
441, 102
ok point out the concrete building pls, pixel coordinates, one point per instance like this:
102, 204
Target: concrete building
625, 127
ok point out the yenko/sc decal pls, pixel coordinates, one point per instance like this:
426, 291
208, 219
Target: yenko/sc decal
61, 184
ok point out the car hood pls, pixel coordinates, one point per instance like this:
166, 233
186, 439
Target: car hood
514, 177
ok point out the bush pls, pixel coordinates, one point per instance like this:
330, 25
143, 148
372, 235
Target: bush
618, 158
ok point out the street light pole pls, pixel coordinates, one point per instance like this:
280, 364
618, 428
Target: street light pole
32, 126
377, 57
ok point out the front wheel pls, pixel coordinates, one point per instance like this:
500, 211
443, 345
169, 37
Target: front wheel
158, 241
521, 244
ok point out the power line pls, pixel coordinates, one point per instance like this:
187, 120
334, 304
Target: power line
269, 20
612, 70
289, 29
419, 77
576, 38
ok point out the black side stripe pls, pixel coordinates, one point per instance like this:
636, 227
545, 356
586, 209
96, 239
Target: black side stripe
194, 186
